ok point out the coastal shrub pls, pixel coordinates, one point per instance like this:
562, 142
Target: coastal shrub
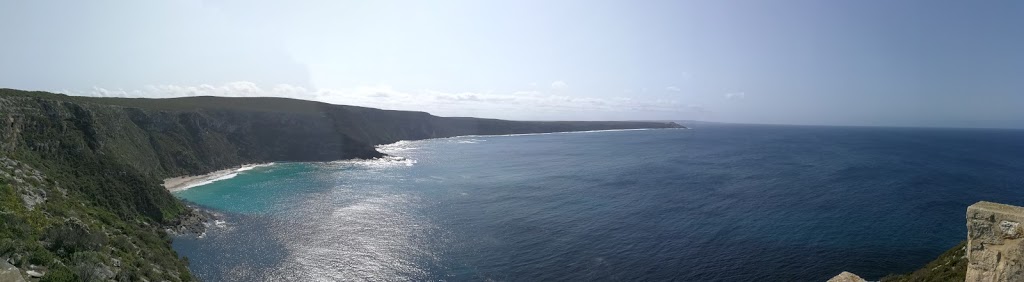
40, 257
949, 266
59, 274
14, 226
71, 237
7, 246
121, 242
128, 274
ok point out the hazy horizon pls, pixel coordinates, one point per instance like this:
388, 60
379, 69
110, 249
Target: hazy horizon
863, 63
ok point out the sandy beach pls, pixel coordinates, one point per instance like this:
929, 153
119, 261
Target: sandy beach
175, 184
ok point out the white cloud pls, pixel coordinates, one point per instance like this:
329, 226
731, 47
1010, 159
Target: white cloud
735, 95
517, 104
559, 85
673, 89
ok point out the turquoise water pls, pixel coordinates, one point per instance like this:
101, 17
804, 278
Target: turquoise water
716, 203
264, 188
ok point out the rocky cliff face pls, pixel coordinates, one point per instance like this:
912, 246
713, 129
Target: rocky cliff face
162, 142
995, 248
80, 194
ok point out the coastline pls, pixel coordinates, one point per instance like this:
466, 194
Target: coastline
182, 183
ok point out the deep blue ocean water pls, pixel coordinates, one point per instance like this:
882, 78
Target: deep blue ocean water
714, 203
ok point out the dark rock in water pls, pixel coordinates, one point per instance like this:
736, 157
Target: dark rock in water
195, 221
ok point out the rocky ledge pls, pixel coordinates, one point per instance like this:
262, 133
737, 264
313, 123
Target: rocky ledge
195, 221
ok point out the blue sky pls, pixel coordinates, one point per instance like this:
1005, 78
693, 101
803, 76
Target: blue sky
893, 63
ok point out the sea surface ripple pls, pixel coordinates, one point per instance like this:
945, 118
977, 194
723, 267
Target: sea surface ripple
715, 203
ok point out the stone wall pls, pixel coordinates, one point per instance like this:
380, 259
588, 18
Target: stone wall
995, 248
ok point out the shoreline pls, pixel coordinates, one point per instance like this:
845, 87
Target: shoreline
182, 183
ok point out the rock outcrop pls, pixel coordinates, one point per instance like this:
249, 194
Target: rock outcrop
847, 277
9, 273
995, 250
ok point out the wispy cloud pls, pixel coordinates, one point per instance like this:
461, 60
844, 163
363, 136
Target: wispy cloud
559, 85
735, 95
673, 89
436, 102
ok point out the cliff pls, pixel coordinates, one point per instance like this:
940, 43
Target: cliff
80, 177
995, 242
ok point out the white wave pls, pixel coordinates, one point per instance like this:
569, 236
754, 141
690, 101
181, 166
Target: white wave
399, 146
217, 176
209, 181
405, 145
228, 176
560, 132
250, 167
384, 162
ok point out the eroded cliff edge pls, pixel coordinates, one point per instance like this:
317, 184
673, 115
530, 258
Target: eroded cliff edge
995, 248
80, 177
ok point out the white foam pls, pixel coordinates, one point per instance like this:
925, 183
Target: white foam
403, 145
250, 167
399, 146
384, 162
219, 176
562, 132
209, 181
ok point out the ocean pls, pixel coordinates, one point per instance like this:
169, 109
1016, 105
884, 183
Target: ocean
712, 203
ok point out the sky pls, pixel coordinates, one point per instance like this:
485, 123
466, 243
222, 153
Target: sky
874, 63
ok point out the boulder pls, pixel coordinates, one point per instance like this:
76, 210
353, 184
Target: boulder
847, 277
34, 274
10, 273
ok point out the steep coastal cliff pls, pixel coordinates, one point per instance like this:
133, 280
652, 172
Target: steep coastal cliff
79, 177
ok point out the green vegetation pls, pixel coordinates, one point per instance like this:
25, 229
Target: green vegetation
950, 266
82, 240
